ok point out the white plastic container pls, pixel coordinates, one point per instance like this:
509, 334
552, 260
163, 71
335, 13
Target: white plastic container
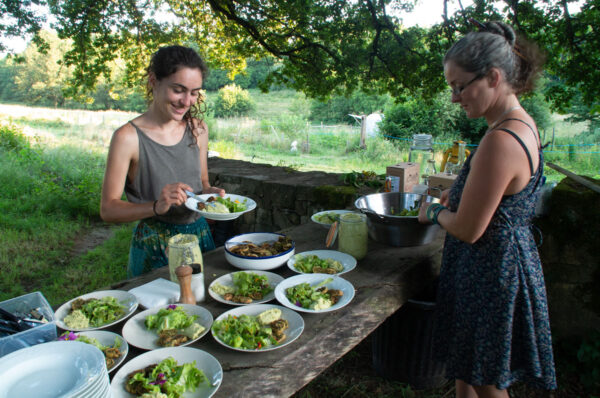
39, 334
198, 282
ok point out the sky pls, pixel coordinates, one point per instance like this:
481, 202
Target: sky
425, 13
429, 12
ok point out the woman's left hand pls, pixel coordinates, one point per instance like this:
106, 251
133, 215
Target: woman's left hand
218, 191
423, 213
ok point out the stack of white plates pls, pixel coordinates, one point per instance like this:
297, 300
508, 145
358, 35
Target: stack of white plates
55, 369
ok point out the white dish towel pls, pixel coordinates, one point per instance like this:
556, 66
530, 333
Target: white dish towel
158, 292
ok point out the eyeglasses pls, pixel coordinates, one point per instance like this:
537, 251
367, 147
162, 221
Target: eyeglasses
458, 90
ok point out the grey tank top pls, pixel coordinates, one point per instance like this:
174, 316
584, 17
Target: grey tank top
160, 165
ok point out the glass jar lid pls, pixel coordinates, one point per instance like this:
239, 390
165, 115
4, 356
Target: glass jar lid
422, 141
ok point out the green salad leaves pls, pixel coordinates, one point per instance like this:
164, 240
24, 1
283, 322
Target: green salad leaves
314, 264
172, 317
166, 377
249, 283
94, 312
234, 206
316, 298
251, 332
328, 218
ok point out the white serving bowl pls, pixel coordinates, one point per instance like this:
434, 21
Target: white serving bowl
257, 263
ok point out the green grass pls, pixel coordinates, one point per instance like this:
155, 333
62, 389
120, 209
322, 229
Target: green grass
49, 197
51, 175
51, 168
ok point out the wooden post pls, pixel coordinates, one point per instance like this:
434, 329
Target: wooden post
575, 177
307, 144
552, 147
363, 131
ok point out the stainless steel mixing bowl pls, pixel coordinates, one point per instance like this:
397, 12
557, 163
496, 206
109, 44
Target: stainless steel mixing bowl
393, 230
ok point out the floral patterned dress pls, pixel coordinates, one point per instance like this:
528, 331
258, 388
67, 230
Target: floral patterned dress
492, 317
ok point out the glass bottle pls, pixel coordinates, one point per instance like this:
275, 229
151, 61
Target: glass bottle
183, 249
420, 152
429, 171
353, 235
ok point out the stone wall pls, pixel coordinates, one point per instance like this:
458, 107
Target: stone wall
570, 254
570, 251
284, 197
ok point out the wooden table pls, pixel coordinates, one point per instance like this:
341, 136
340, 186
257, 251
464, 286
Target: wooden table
383, 280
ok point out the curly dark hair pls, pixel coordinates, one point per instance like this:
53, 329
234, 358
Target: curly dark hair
168, 60
497, 45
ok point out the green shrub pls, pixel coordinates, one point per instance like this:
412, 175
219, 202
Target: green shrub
417, 116
233, 100
291, 126
12, 138
337, 109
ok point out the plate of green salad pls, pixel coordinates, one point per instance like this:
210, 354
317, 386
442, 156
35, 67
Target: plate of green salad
113, 346
327, 217
244, 287
96, 310
257, 327
314, 293
174, 371
322, 262
229, 207
167, 326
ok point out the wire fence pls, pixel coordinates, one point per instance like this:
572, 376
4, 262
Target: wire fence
339, 129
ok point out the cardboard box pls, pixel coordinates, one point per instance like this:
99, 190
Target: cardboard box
440, 182
407, 174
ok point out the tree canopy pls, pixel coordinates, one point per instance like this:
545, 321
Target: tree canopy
324, 47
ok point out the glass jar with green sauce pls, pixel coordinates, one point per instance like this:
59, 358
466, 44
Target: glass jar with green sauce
183, 249
353, 235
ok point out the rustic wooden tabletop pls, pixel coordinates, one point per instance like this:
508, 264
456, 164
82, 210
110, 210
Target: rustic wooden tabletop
383, 280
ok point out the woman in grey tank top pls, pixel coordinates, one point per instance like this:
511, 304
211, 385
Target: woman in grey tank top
156, 157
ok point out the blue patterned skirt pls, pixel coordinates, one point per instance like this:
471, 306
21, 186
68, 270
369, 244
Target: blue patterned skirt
150, 239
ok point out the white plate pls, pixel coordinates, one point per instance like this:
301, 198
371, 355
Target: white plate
57, 368
314, 279
294, 330
227, 280
127, 299
327, 225
108, 339
192, 204
347, 260
136, 333
204, 361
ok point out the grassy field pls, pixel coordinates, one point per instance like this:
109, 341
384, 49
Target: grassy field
51, 167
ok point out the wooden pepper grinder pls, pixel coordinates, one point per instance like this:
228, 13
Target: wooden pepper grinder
184, 275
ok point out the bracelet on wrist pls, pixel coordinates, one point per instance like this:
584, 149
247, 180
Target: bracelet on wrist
437, 212
431, 210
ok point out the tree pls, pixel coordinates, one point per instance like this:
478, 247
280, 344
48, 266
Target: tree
325, 47
40, 76
21, 18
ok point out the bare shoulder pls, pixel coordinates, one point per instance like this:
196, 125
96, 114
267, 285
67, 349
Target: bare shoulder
124, 142
200, 126
125, 134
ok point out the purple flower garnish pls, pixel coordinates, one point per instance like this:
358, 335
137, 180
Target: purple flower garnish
68, 336
171, 307
298, 303
160, 379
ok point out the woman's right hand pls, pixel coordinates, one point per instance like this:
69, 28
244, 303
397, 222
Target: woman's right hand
171, 195
444, 197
